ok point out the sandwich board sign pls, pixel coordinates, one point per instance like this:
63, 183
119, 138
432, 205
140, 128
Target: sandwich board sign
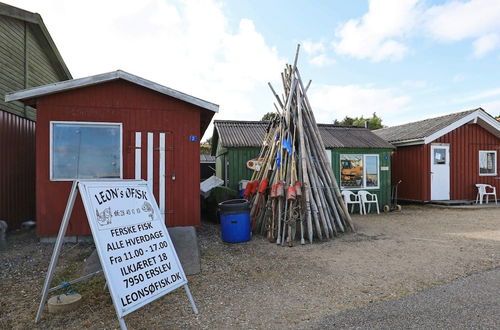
135, 250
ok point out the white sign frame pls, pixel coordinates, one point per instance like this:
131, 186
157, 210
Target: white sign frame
84, 186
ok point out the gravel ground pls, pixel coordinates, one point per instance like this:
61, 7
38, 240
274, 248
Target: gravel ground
261, 285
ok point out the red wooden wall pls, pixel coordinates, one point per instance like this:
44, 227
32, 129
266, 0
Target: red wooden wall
17, 169
412, 164
140, 110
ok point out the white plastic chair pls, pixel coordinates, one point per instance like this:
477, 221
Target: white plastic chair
482, 192
368, 198
352, 198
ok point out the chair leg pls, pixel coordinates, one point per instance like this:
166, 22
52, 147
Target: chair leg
376, 204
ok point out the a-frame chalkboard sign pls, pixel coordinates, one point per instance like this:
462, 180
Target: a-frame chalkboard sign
136, 253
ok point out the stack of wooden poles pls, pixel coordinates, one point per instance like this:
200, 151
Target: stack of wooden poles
293, 192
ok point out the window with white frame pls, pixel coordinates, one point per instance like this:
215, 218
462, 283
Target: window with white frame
85, 150
359, 171
487, 162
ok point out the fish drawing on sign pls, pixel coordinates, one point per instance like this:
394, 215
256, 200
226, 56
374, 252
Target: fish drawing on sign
104, 218
146, 207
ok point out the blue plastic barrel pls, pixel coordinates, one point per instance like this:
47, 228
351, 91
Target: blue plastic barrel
235, 220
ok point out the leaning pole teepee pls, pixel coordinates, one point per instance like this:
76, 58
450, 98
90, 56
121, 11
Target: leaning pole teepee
293, 192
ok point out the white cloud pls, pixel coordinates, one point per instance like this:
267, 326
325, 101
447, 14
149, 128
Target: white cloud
331, 102
375, 36
381, 33
486, 44
185, 45
475, 19
457, 20
313, 48
322, 60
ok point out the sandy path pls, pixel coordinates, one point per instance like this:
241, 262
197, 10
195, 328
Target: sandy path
261, 285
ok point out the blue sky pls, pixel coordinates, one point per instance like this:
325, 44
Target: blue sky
403, 59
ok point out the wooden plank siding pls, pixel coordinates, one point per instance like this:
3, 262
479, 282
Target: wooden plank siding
17, 169
384, 191
139, 110
40, 67
465, 143
26, 60
237, 169
412, 164
12, 62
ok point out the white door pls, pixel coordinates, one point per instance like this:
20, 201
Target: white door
440, 172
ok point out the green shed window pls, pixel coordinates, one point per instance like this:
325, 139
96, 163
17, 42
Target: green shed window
85, 150
359, 171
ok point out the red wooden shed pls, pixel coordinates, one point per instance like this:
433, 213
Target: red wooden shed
116, 125
443, 158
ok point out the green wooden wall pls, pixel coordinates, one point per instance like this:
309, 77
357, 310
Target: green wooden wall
24, 62
11, 62
237, 169
220, 160
384, 192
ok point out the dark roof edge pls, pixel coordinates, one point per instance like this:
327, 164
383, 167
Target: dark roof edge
34, 18
267, 121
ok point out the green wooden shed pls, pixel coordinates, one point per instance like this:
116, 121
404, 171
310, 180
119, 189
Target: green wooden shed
360, 159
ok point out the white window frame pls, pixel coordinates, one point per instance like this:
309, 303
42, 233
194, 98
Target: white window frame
495, 163
364, 187
51, 145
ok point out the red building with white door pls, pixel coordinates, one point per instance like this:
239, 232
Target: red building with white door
116, 125
444, 158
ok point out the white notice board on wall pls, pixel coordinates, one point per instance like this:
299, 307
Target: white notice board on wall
134, 247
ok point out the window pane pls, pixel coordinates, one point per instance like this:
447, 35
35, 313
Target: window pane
371, 171
351, 171
487, 162
439, 156
85, 151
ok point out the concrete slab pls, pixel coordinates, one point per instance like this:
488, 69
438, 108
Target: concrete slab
186, 244
92, 264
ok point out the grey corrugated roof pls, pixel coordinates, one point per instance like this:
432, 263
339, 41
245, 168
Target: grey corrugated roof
232, 133
335, 136
419, 130
207, 158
